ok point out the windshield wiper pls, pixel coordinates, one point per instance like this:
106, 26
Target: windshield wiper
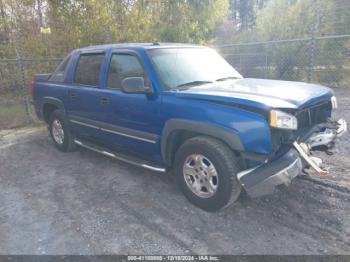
192, 83
227, 78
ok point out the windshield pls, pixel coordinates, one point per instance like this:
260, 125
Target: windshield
184, 67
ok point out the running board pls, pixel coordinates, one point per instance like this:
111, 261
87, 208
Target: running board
130, 160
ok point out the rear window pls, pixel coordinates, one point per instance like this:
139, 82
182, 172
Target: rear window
60, 73
88, 69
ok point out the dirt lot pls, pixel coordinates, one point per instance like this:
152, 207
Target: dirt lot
85, 203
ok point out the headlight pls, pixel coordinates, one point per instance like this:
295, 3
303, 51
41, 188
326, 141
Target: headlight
279, 119
334, 102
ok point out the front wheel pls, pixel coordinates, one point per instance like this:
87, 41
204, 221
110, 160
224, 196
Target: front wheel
206, 172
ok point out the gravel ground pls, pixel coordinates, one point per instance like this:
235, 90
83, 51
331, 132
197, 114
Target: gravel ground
85, 203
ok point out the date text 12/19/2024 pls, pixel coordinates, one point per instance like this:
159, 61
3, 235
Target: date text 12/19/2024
173, 258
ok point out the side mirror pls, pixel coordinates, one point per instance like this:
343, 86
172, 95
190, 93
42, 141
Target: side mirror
135, 85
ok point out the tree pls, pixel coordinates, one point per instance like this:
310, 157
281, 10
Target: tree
243, 13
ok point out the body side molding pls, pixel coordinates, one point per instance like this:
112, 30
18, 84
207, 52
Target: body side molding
118, 130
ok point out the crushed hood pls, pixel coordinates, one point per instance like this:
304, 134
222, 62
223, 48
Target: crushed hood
260, 93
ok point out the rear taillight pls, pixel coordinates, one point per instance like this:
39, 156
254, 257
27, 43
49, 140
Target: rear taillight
31, 87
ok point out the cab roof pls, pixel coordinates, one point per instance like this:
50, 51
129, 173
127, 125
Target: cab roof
145, 46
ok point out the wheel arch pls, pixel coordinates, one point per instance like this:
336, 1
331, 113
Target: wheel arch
50, 104
176, 131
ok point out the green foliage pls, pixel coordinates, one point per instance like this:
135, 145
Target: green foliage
78, 23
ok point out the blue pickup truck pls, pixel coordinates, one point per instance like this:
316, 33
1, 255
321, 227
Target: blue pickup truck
184, 108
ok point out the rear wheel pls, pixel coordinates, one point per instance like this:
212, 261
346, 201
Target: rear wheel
206, 172
59, 131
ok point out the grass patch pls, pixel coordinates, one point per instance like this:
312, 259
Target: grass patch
12, 115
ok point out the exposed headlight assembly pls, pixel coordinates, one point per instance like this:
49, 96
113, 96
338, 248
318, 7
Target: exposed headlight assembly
334, 102
279, 119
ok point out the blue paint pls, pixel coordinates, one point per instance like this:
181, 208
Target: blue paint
238, 105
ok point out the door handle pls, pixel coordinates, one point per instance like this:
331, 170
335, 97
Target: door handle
104, 100
72, 96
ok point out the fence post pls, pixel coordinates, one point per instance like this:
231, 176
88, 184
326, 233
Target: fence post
20, 59
313, 41
266, 67
240, 62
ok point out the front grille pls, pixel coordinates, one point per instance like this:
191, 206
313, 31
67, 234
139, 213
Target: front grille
314, 115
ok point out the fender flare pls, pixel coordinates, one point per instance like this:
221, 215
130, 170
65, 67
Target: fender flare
221, 133
51, 101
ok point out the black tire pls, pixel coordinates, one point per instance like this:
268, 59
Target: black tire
67, 142
225, 162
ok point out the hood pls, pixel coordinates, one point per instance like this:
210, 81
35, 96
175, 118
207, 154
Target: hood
261, 93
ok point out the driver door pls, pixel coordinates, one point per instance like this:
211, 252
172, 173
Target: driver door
131, 121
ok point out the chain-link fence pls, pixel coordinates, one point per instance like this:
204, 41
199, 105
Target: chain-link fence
15, 77
324, 60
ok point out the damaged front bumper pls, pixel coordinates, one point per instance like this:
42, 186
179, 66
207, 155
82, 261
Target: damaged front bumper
263, 179
324, 134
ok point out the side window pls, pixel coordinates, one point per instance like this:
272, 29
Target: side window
60, 73
123, 66
88, 69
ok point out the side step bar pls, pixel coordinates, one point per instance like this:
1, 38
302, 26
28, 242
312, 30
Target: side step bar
124, 158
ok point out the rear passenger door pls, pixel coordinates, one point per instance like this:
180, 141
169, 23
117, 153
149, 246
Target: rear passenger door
83, 96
